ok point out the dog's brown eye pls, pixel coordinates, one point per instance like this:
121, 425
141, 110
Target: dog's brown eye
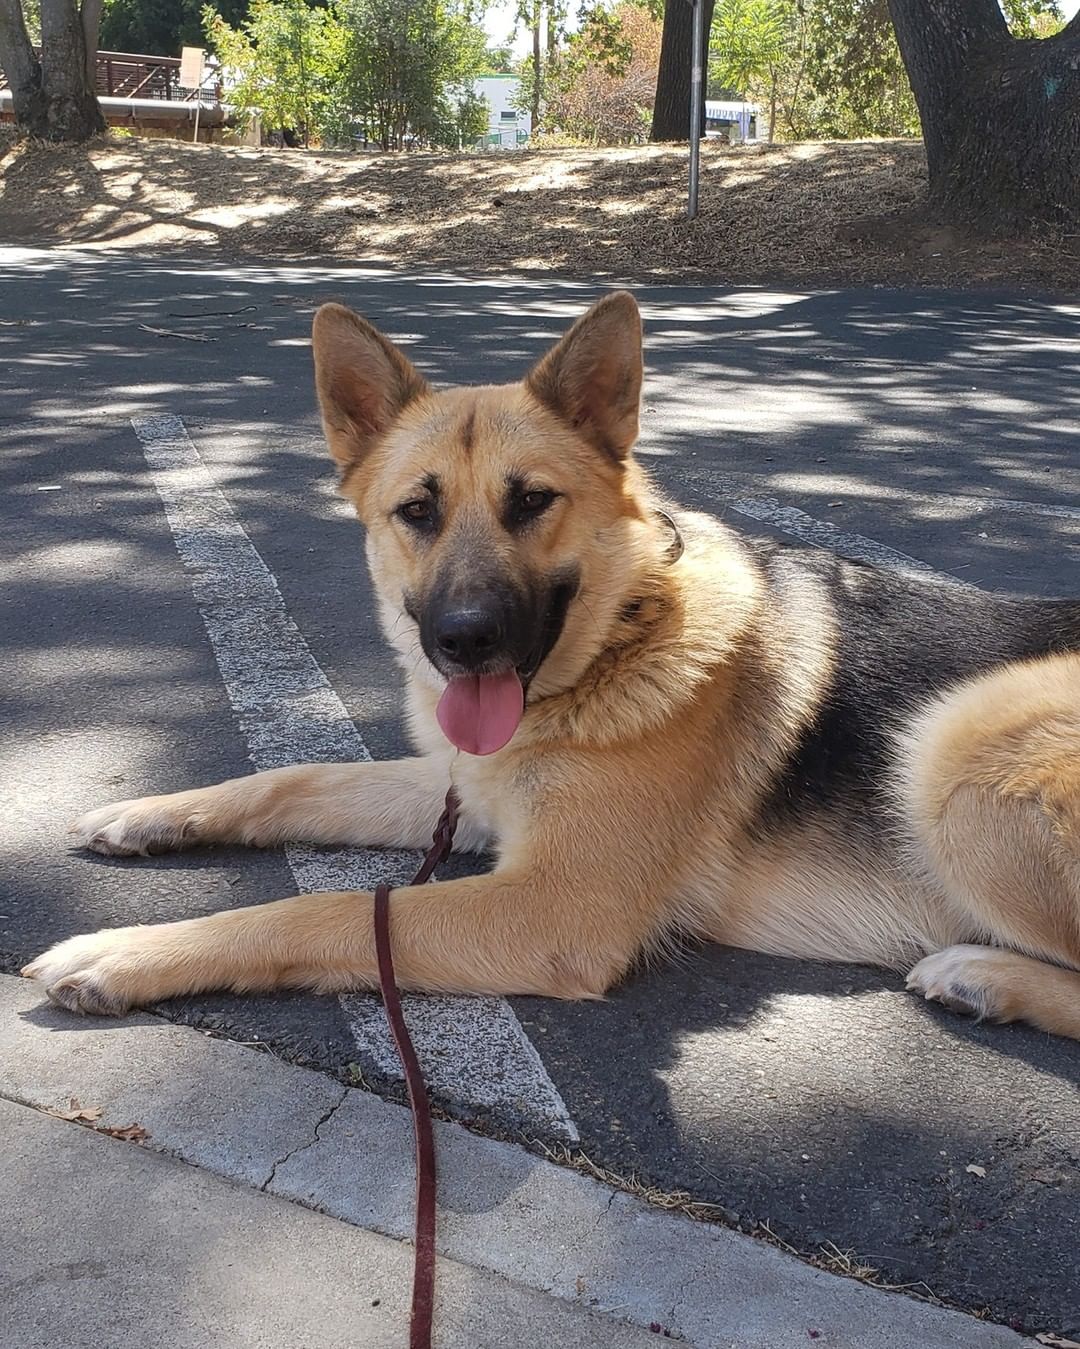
416, 512
532, 503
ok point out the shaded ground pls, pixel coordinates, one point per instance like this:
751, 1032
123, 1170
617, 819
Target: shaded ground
829, 212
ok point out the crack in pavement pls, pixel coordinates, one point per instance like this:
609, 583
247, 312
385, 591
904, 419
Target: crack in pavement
303, 1147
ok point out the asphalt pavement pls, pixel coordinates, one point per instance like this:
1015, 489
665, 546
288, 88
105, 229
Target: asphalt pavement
913, 428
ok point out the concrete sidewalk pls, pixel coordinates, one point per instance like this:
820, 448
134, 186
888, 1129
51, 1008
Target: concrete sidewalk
117, 1246
122, 1245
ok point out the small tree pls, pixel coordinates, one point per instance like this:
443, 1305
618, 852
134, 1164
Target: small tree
462, 117
403, 57
286, 62
546, 19
499, 60
601, 87
748, 45
54, 94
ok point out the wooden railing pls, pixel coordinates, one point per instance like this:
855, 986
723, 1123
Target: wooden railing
128, 75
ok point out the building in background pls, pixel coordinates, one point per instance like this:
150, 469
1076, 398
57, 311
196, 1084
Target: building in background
720, 118
508, 127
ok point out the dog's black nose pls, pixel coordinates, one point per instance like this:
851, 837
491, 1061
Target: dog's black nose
469, 637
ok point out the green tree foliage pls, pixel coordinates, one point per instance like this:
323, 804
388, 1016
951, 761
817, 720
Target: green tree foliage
462, 118
856, 77
398, 72
31, 11
829, 68
749, 39
499, 60
408, 64
753, 48
285, 60
162, 27
546, 21
1033, 18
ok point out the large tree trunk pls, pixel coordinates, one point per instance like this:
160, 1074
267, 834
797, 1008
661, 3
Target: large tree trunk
1000, 115
21, 66
53, 98
671, 110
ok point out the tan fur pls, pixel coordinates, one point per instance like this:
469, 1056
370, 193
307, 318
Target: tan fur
624, 809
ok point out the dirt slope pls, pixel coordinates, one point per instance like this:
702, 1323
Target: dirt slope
808, 212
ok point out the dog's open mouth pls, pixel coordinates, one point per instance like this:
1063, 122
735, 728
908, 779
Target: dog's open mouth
479, 713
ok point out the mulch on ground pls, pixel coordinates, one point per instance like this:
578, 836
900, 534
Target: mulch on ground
830, 212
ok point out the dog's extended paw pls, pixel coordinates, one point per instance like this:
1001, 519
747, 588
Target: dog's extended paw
962, 978
100, 973
132, 828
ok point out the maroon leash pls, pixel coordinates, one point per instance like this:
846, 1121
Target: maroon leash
423, 1294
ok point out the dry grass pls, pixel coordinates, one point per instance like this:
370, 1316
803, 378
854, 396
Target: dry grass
829, 212
826, 1256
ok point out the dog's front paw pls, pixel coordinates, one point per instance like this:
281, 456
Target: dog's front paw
129, 828
100, 973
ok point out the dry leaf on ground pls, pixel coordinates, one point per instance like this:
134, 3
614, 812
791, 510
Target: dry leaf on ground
127, 1133
81, 1114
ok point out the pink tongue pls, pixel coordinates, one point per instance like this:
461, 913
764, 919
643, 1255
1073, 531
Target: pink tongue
480, 713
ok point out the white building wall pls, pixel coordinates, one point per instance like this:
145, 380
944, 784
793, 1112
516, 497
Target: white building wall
504, 120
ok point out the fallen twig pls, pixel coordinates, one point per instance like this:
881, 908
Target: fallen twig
167, 332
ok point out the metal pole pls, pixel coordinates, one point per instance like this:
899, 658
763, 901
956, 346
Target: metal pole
696, 61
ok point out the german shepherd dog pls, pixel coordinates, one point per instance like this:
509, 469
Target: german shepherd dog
662, 729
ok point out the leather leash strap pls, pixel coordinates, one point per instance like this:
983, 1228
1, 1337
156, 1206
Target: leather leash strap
423, 1294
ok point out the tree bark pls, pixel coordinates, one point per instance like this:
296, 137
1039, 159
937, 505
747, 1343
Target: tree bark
90, 21
53, 98
21, 66
773, 81
671, 109
1000, 115
538, 77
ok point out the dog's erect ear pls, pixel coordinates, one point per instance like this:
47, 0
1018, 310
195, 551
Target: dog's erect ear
592, 378
363, 381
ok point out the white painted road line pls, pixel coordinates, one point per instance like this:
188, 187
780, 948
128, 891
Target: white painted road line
821, 534
473, 1050
818, 533
985, 504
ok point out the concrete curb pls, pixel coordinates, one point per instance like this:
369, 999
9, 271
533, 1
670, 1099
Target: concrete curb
301, 1136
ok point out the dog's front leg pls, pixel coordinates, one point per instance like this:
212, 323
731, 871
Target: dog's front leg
515, 931
389, 804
